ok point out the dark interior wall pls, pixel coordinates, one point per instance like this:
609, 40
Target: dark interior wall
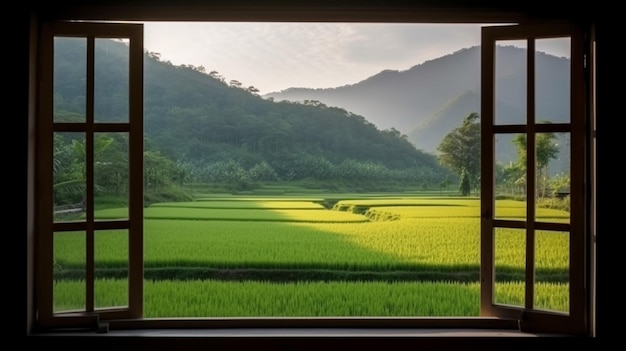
24, 85
23, 89
317, 343
482, 11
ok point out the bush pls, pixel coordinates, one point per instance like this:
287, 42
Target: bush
166, 194
555, 203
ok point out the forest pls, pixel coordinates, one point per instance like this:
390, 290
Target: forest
199, 128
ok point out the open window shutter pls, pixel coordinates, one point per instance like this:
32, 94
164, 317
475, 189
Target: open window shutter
90, 131
532, 124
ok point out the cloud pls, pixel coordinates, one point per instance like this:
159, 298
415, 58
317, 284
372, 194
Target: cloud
276, 56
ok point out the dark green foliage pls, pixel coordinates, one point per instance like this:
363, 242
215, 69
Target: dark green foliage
415, 273
166, 194
460, 149
546, 149
464, 187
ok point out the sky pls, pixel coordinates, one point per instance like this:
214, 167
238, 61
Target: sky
275, 56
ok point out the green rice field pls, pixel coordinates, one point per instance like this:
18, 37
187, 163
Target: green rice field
283, 256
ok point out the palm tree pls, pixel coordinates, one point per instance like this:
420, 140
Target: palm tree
68, 158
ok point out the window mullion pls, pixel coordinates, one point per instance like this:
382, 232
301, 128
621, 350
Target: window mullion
136, 92
531, 191
89, 180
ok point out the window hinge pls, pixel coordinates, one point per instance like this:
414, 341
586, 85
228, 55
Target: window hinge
520, 321
103, 328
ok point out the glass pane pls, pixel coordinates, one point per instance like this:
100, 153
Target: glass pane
552, 80
69, 177
553, 177
510, 257
510, 168
69, 292
552, 271
111, 80
510, 82
111, 175
111, 268
70, 79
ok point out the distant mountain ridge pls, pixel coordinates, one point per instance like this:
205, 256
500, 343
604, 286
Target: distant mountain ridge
428, 100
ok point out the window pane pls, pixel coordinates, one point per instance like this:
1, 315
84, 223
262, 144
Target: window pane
510, 82
510, 168
111, 268
553, 177
552, 271
111, 80
69, 177
552, 80
69, 292
510, 263
111, 175
70, 79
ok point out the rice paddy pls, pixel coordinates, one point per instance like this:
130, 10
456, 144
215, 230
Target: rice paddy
279, 256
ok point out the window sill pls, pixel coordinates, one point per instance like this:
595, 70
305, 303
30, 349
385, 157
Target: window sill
235, 334
309, 338
301, 333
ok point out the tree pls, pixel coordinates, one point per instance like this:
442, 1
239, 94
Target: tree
511, 177
546, 149
460, 149
252, 89
464, 186
69, 167
68, 177
158, 170
216, 75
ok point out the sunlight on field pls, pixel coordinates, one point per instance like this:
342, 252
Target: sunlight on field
244, 204
298, 247
427, 240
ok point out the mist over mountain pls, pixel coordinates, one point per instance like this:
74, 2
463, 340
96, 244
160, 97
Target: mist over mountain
428, 100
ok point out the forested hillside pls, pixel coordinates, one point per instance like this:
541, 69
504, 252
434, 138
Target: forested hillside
212, 130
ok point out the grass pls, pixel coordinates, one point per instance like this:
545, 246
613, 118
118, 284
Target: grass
213, 298
371, 246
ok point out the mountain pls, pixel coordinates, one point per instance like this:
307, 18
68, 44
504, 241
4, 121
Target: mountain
393, 120
428, 100
195, 117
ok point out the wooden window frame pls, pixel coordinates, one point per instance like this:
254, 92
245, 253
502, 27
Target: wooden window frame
531, 318
47, 126
368, 12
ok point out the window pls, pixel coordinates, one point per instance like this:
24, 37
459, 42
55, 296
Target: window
534, 132
495, 311
85, 131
